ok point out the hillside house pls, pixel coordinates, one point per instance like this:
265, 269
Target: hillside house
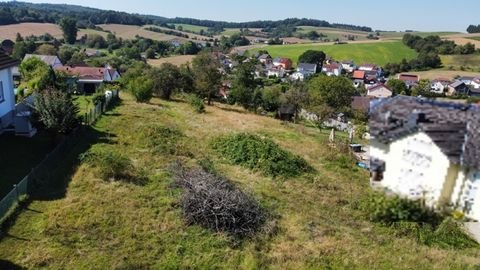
276, 71
439, 85
7, 95
304, 71
457, 88
265, 59
409, 79
379, 90
285, 63
88, 79
475, 83
349, 66
367, 67
51, 60
429, 150
358, 78
466, 79
332, 69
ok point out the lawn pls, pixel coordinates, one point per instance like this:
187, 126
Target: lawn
191, 27
314, 218
378, 53
474, 38
84, 103
19, 156
471, 62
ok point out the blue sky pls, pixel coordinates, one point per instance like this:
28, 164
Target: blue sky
424, 15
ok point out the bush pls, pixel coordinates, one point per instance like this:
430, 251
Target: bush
162, 140
215, 203
111, 164
98, 98
264, 155
388, 210
141, 88
197, 103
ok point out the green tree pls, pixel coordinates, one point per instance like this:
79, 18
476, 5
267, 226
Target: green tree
141, 88
69, 28
334, 92
421, 88
36, 75
56, 110
208, 79
65, 53
77, 58
166, 80
296, 96
398, 87
271, 98
312, 57
187, 81
150, 53
19, 50
244, 86
46, 49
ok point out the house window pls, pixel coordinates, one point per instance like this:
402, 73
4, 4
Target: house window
2, 96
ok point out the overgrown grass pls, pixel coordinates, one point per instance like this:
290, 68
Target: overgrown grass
260, 154
90, 223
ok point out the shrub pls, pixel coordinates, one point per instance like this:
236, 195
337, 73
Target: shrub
215, 203
197, 104
141, 88
264, 155
388, 210
111, 164
161, 139
98, 98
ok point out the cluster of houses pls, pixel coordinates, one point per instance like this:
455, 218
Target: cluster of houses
14, 118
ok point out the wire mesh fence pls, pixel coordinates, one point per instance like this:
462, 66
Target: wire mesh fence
41, 174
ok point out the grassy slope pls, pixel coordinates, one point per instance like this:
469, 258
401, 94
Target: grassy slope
378, 53
191, 27
106, 225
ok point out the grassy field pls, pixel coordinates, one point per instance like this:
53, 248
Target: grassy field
378, 53
19, 156
399, 35
442, 73
474, 38
176, 60
191, 27
459, 61
123, 225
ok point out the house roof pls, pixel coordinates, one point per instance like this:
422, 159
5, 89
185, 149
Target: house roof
331, 66
359, 74
378, 86
85, 73
361, 103
306, 66
408, 77
453, 127
48, 59
265, 56
457, 84
6, 61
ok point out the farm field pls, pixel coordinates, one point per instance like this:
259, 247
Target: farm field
459, 61
106, 224
399, 35
26, 29
333, 33
191, 27
378, 53
176, 60
131, 31
442, 73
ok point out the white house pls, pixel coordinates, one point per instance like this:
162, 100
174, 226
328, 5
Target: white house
304, 71
278, 72
7, 95
439, 85
379, 90
348, 66
51, 60
332, 69
367, 67
476, 83
427, 149
89, 78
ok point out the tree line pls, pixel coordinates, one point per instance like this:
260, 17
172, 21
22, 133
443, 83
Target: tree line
473, 29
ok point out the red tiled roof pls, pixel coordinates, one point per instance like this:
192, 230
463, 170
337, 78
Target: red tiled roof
378, 86
408, 77
85, 73
359, 74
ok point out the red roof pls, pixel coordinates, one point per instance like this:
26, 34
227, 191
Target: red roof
378, 86
331, 66
408, 77
85, 73
359, 74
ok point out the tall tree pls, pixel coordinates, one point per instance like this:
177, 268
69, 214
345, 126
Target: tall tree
46, 49
69, 28
312, 57
244, 86
166, 80
398, 87
208, 78
335, 92
36, 75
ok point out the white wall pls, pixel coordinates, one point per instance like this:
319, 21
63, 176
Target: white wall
471, 193
415, 167
9, 98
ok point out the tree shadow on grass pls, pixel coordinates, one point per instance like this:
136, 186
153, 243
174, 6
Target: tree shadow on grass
8, 265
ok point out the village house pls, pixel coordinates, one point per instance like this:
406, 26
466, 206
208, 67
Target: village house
88, 79
304, 71
285, 63
457, 88
51, 60
358, 78
439, 85
475, 83
348, 66
367, 67
7, 95
276, 71
466, 79
379, 90
265, 59
332, 69
409, 80
423, 149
